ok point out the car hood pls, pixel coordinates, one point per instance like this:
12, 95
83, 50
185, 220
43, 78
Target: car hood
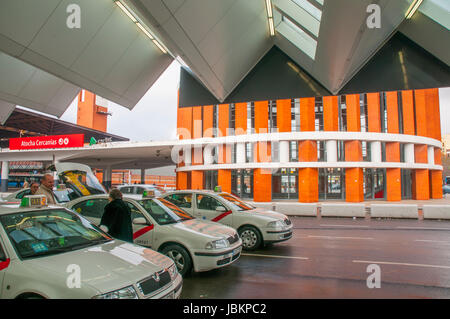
269, 214
108, 266
205, 228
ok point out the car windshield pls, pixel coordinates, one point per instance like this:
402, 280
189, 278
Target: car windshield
81, 182
63, 195
164, 212
48, 232
236, 202
160, 189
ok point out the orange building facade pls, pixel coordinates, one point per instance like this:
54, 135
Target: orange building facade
351, 147
92, 111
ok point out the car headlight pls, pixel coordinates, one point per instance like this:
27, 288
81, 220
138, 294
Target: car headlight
275, 224
217, 244
124, 293
173, 271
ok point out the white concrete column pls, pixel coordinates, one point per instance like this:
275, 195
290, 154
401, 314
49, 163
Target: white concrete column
4, 175
142, 175
375, 152
284, 151
187, 158
331, 149
55, 173
240, 153
431, 155
409, 153
107, 177
208, 158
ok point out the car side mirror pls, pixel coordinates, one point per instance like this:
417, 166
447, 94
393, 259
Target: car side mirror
140, 221
220, 209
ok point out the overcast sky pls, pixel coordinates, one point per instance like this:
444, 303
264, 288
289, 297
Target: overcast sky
153, 118
155, 115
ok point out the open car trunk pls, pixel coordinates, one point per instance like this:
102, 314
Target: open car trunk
78, 181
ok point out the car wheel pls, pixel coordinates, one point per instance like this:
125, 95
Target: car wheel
181, 258
251, 238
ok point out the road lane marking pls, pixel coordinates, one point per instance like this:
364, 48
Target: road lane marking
333, 237
275, 256
352, 226
433, 241
423, 228
399, 264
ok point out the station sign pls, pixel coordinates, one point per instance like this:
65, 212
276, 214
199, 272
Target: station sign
43, 142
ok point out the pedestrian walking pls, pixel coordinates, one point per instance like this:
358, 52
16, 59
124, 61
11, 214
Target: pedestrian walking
117, 217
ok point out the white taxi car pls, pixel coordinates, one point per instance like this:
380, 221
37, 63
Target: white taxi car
62, 195
158, 224
75, 180
52, 252
255, 226
139, 189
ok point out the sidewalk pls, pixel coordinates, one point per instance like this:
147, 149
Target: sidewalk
412, 209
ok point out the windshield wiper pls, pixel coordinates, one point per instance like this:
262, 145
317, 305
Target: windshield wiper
101, 240
170, 222
88, 244
47, 252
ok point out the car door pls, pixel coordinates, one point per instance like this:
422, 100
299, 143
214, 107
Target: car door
143, 234
139, 190
92, 209
126, 190
182, 200
4, 263
210, 208
21, 194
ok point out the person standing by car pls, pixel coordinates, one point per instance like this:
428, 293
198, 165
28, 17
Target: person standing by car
117, 217
46, 188
34, 186
25, 184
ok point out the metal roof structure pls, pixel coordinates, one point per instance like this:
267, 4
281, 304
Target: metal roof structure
115, 155
122, 47
33, 124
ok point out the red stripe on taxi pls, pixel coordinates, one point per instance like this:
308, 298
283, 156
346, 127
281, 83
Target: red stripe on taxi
223, 215
4, 264
142, 231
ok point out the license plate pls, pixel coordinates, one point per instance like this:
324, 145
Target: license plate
169, 296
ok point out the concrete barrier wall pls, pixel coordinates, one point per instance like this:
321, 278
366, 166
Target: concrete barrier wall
357, 210
394, 211
436, 211
343, 210
297, 209
268, 206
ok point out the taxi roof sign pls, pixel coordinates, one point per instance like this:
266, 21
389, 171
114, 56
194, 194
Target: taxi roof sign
148, 194
218, 189
34, 201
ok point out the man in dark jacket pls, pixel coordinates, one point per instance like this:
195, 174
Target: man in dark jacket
117, 217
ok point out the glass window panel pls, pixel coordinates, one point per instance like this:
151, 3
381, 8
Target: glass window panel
311, 9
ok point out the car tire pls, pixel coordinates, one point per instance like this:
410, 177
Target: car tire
181, 257
35, 297
251, 238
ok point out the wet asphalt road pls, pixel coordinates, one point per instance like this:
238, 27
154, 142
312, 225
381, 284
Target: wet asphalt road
328, 258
